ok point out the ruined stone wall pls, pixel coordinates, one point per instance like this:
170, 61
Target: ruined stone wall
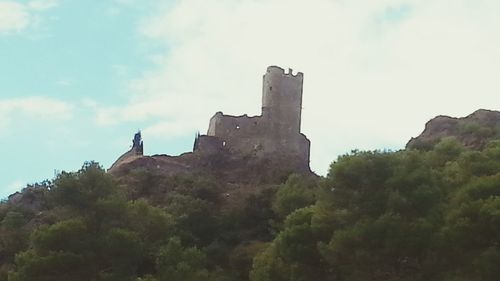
300, 147
275, 132
208, 144
242, 134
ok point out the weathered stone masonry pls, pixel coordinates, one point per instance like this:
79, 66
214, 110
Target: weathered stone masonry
275, 132
272, 139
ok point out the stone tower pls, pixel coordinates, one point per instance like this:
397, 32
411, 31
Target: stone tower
282, 100
273, 134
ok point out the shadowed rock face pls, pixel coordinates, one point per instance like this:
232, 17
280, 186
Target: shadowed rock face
473, 131
31, 198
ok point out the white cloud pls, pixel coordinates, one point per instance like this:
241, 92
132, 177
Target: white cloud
42, 4
13, 16
89, 103
39, 107
375, 71
167, 130
16, 16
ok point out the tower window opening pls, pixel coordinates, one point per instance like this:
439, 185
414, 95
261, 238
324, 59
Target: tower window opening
223, 143
271, 88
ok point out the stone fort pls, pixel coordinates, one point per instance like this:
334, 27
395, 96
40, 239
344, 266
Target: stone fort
274, 135
275, 131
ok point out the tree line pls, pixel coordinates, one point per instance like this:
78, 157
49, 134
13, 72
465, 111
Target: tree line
377, 215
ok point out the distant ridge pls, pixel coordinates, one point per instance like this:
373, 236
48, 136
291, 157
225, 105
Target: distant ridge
473, 131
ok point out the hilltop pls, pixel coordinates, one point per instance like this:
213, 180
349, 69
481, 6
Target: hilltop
240, 151
415, 214
473, 131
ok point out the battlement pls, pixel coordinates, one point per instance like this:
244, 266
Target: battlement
273, 69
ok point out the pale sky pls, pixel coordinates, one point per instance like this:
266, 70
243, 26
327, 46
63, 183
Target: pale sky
79, 77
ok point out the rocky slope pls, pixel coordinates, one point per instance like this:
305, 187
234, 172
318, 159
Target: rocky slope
225, 168
473, 131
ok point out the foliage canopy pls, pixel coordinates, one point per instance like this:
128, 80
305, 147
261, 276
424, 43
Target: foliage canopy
406, 215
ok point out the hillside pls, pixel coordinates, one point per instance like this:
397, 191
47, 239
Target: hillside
415, 214
473, 131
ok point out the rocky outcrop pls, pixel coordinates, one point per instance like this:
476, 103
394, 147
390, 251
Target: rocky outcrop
31, 199
137, 150
473, 131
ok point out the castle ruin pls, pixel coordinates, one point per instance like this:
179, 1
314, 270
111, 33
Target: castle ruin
273, 137
275, 131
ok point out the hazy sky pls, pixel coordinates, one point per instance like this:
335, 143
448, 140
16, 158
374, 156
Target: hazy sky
79, 77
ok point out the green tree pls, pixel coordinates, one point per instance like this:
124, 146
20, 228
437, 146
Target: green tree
92, 238
176, 263
294, 254
297, 192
